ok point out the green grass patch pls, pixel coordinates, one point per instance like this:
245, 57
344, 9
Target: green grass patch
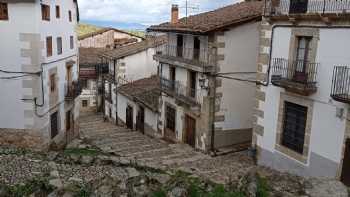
40, 186
263, 187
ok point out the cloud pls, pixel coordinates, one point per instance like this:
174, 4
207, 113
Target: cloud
141, 11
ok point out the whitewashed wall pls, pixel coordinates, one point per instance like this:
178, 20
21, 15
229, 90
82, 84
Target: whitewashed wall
327, 130
241, 53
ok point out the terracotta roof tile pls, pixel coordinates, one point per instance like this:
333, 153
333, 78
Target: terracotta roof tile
90, 56
213, 20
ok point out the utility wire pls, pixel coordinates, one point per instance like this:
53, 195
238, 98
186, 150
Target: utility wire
14, 77
17, 72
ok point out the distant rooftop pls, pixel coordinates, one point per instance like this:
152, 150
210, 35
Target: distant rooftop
103, 30
210, 21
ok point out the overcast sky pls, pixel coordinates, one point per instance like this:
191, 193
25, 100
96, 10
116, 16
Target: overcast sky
145, 12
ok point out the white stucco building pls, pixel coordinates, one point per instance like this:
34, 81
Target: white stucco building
128, 66
302, 122
38, 72
204, 103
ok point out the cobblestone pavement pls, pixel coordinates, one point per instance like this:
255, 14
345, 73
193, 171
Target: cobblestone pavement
160, 154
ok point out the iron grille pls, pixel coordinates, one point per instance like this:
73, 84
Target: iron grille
340, 90
294, 124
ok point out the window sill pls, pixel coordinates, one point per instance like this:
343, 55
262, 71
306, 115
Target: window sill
295, 155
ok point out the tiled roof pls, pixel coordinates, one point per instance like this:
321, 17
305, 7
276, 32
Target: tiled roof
103, 30
90, 56
145, 91
134, 48
210, 21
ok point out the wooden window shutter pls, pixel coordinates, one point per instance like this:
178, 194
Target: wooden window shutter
70, 15
58, 14
45, 12
3, 11
49, 46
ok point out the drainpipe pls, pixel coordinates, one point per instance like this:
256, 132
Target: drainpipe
116, 94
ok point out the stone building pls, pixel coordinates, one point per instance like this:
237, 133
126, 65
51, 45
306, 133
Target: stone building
108, 38
127, 64
38, 72
301, 117
205, 71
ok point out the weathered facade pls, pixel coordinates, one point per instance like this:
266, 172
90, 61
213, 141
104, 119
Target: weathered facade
202, 102
108, 38
129, 64
38, 73
301, 119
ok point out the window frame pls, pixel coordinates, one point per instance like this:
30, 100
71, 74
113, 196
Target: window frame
53, 82
58, 11
294, 126
49, 48
84, 103
45, 12
4, 14
59, 43
170, 118
68, 120
71, 42
70, 17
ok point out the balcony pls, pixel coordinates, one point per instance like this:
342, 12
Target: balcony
295, 76
200, 60
341, 84
180, 92
309, 7
73, 90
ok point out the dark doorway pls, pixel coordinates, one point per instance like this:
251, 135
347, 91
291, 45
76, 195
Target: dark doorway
172, 75
345, 174
192, 84
180, 44
140, 121
190, 131
129, 117
196, 48
54, 124
298, 6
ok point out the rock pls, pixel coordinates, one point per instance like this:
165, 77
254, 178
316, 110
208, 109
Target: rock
141, 190
56, 183
51, 156
161, 178
74, 144
132, 172
54, 174
326, 188
86, 159
104, 160
178, 192
124, 161
75, 158
75, 180
3, 191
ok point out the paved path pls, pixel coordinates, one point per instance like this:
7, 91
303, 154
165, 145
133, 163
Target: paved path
160, 154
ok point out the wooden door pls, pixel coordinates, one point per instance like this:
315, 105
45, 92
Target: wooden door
140, 121
129, 117
190, 131
54, 124
345, 175
298, 6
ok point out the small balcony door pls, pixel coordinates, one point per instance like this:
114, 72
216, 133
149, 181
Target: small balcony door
192, 84
140, 120
180, 44
54, 124
172, 77
129, 117
298, 6
196, 48
301, 61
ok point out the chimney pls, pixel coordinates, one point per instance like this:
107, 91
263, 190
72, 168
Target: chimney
174, 14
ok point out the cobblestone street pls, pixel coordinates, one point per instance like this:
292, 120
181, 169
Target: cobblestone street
157, 153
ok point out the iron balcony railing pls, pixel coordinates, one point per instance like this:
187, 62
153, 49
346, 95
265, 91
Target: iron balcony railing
288, 7
340, 90
297, 72
180, 91
201, 57
73, 90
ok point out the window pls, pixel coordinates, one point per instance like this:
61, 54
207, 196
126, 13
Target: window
71, 42
58, 13
294, 124
302, 52
84, 83
3, 11
193, 84
54, 124
49, 46
45, 12
85, 103
170, 114
52, 82
70, 15
59, 45
68, 119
